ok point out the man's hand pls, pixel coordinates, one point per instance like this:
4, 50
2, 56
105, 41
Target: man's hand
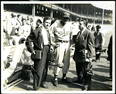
88, 59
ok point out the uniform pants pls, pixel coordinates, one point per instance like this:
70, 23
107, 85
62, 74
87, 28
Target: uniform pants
41, 68
62, 58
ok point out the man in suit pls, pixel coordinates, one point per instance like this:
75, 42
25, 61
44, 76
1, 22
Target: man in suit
83, 51
40, 40
98, 42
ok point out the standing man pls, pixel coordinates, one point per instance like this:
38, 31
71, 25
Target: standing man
46, 50
61, 34
83, 51
40, 39
98, 42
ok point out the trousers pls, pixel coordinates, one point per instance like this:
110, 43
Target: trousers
81, 69
62, 58
41, 67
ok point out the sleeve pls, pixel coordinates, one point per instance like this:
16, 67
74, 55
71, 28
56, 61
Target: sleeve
90, 44
52, 37
52, 30
102, 40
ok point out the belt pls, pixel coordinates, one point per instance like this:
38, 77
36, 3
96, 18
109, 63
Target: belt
63, 41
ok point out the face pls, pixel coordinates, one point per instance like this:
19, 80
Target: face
81, 25
47, 24
24, 22
28, 21
38, 24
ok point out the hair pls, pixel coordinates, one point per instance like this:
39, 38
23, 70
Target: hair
38, 20
31, 19
46, 18
84, 21
18, 15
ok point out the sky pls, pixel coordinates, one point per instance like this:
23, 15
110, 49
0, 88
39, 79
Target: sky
110, 5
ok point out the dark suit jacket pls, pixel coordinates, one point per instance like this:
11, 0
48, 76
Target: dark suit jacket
98, 40
36, 38
109, 52
83, 42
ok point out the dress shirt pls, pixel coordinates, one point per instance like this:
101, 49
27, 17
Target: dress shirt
45, 36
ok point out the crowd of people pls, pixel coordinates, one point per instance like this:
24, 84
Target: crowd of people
46, 36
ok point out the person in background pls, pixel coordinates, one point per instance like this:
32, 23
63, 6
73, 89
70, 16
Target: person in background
109, 58
98, 42
93, 29
26, 27
46, 50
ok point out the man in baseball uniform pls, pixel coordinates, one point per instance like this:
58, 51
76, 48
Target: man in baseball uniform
61, 35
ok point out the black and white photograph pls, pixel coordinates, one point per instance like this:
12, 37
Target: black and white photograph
57, 47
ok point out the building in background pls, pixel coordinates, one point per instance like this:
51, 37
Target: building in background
87, 11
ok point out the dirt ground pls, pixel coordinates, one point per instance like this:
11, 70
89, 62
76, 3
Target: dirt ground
100, 80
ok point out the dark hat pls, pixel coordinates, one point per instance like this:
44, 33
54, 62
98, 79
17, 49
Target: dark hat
98, 26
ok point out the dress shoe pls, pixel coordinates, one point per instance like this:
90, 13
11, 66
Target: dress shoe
44, 85
85, 88
35, 86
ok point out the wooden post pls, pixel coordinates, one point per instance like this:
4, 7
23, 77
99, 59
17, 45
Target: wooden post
33, 10
94, 15
51, 14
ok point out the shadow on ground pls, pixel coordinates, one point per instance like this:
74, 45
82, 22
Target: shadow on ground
106, 70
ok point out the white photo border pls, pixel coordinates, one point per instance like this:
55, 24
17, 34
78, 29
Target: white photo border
60, 2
